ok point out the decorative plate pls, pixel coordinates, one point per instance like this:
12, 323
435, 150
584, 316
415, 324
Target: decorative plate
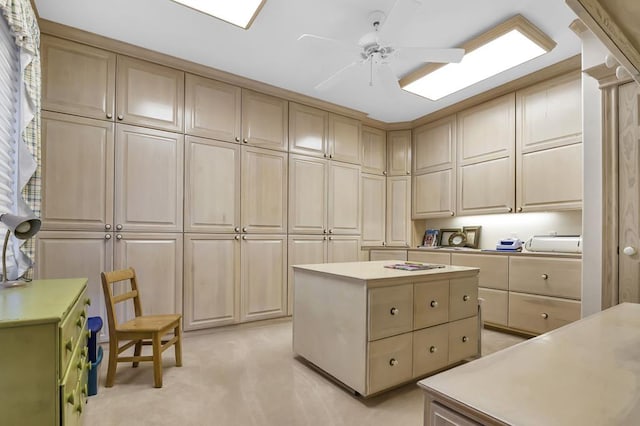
458, 239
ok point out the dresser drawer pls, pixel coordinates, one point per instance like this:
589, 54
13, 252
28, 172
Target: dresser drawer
429, 257
545, 276
539, 314
463, 298
390, 362
495, 307
390, 311
72, 328
463, 339
430, 349
430, 303
494, 270
73, 389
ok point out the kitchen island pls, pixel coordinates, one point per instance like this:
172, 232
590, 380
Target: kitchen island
372, 328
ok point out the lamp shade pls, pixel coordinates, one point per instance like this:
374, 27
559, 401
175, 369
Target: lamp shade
23, 227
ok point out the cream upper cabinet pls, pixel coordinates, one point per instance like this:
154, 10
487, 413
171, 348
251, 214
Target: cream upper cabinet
399, 153
211, 186
549, 145
212, 109
77, 170
374, 151
77, 79
343, 198
211, 280
149, 95
344, 139
433, 194
148, 179
434, 146
308, 181
264, 120
308, 130
398, 217
373, 210
264, 190
486, 157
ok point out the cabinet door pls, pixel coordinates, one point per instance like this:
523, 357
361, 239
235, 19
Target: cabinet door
307, 195
148, 182
343, 248
344, 198
303, 250
263, 276
434, 146
433, 194
486, 187
149, 95
399, 153
212, 109
308, 130
77, 254
212, 186
77, 79
264, 120
373, 210
264, 190
344, 139
77, 170
398, 229
374, 151
211, 280
157, 259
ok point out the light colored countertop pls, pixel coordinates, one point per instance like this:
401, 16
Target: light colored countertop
375, 270
586, 373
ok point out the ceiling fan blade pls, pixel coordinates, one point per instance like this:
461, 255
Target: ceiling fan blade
328, 40
397, 18
425, 54
386, 77
335, 77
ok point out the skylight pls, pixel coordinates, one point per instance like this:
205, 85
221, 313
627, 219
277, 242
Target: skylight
236, 12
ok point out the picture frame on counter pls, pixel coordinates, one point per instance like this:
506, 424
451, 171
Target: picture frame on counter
472, 234
430, 238
445, 235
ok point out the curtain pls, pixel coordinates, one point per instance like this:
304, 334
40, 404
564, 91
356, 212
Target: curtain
24, 27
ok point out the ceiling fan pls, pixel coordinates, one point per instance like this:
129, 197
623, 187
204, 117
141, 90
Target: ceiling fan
375, 50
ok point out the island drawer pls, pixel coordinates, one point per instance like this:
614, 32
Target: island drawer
430, 303
540, 314
494, 269
390, 362
545, 276
463, 298
495, 306
463, 339
390, 311
430, 349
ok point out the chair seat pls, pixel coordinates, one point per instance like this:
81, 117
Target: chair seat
150, 323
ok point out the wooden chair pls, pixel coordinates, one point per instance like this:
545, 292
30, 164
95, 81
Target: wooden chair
142, 330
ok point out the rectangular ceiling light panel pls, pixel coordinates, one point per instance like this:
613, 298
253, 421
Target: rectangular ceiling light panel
491, 56
236, 12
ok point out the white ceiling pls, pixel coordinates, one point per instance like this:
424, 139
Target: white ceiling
269, 51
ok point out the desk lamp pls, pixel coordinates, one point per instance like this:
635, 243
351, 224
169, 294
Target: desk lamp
23, 227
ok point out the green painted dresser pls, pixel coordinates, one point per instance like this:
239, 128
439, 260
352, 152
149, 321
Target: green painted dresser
43, 354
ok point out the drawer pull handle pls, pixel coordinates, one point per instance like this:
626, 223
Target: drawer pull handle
544, 315
69, 345
87, 301
433, 349
80, 365
394, 311
79, 323
434, 304
393, 362
83, 314
85, 390
465, 339
544, 276
85, 351
79, 409
70, 399
465, 298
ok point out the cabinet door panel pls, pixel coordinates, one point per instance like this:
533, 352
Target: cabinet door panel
343, 248
149, 173
430, 349
77, 79
212, 186
77, 170
539, 314
212, 109
303, 250
307, 195
264, 275
308, 130
374, 150
344, 198
373, 210
211, 280
398, 229
389, 362
399, 153
494, 269
495, 306
433, 195
434, 145
264, 120
390, 311
430, 303
463, 339
486, 187
344, 139
149, 94
264, 190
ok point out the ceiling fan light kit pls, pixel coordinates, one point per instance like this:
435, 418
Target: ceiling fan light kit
505, 46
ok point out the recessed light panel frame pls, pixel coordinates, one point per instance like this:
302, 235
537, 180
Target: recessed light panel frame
241, 13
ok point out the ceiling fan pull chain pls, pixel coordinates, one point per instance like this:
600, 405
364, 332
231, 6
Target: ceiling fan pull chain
371, 71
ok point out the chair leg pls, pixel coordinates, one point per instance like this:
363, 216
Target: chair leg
113, 362
157, 360
178, 345
136, 352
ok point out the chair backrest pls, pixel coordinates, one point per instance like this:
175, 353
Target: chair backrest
111, 300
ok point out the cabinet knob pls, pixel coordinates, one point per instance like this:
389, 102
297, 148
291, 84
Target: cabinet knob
434, 304
118, 236
544, 276
79, 323
120, 117
244, 237
70, 399
629, 251
244, 229
330, 238
331, 231
84, 390
325, 155
237, 139
245, 140
519, 209
69, 345
465, 298
393, 362
509, 209
394, 311
107, 236
384, 172
330, 155
544, 315
237, 229
324, 238
384, 243
408, 172
107, 227
87, 301
324, 231
465, 339
237, 237
109, 115
433, 349
451, 213
119, 227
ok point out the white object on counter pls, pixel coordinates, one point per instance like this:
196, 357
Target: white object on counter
552, 243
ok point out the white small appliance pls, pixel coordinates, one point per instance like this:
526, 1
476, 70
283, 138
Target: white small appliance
555, 243
509, 244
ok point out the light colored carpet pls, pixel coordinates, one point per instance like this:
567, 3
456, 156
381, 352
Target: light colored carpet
249, 376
